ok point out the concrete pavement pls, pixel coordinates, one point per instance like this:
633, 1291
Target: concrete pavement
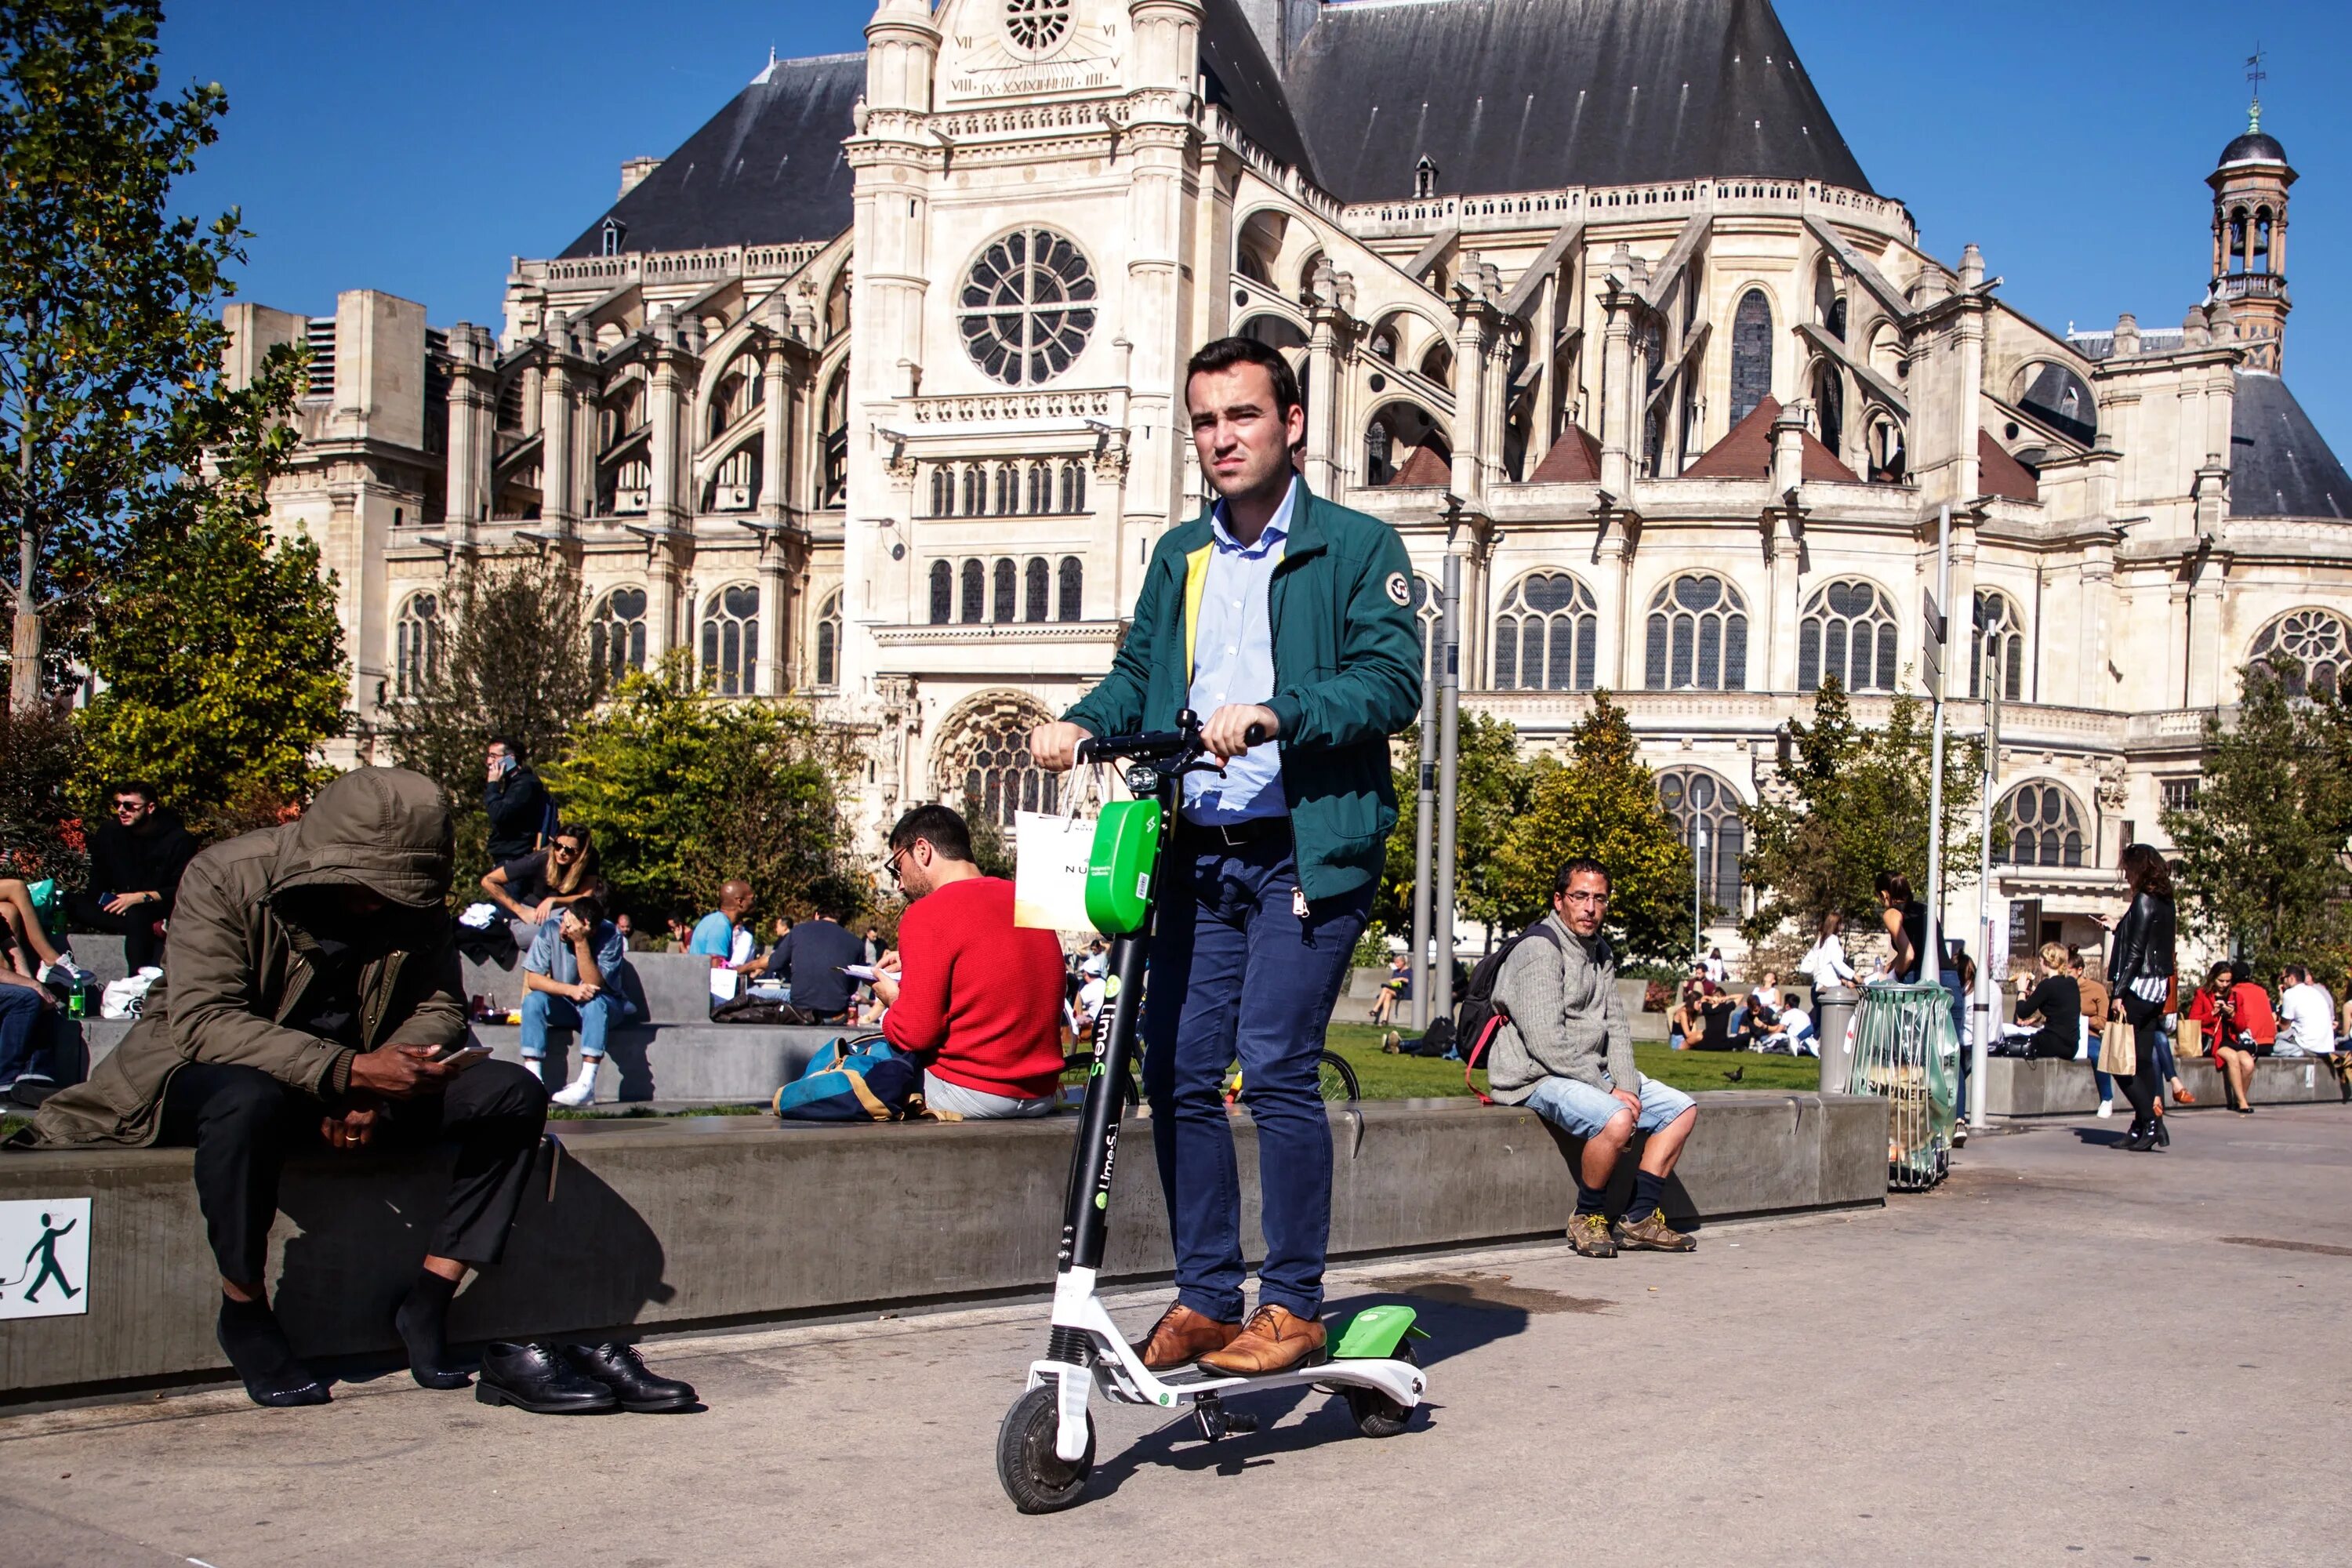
2068, 1354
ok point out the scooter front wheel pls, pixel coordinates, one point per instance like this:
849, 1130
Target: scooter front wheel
1375, 1414
1037, 1479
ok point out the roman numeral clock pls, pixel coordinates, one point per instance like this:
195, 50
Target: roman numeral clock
1039, 47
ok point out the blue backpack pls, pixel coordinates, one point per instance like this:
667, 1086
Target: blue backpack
855, 1079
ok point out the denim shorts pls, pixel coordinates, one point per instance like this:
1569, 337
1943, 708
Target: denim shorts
1581, 1111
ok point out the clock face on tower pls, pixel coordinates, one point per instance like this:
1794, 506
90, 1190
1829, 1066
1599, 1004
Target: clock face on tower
1027, 307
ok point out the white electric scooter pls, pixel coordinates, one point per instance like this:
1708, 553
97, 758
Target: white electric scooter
1046, 1447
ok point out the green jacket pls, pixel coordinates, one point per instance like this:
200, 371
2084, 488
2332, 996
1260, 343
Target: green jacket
237, 967
1347, 676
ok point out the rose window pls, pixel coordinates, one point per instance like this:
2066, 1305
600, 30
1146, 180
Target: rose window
1028, 306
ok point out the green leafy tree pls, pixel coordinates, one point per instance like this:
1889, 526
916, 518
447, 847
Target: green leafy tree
513, 661
40, 754
684, 792
221, 649
1601, 803
1857, 804
1490, 789
2261, 851
109, 336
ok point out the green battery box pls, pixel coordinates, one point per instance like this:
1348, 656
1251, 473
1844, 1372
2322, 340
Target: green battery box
1118, 875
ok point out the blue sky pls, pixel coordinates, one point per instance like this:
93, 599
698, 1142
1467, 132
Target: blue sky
416, 147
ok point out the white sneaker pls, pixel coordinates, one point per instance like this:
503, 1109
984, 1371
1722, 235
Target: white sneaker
2107, 1108
67, 969
581, 1090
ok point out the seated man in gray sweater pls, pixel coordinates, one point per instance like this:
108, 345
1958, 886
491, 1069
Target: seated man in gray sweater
1567, 1054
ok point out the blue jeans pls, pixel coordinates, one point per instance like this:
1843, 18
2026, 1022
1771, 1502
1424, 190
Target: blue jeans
543, 1010
24, 1043
1236, 973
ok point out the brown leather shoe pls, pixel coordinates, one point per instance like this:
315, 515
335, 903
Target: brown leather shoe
1274, 1340
1182, 1336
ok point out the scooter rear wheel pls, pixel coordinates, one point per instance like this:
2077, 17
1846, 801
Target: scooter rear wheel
1037, 1479
1376, 1415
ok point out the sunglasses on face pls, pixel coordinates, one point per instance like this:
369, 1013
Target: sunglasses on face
567, 850
122, 805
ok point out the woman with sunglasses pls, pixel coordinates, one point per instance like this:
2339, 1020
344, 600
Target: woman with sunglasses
533, 888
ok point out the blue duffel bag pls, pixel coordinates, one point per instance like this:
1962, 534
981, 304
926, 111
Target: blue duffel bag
860, 1078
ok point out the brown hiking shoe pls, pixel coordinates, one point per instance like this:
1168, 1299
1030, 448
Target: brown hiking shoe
1275, 1341
1589, 1233
1181, 1336
1652, 1235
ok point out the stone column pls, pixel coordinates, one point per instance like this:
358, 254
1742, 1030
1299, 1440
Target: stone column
559, 507
473, 422
1618, 392
775, 433
1469, 481
1322, 388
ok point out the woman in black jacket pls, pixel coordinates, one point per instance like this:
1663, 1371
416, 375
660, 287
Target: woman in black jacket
2139, 973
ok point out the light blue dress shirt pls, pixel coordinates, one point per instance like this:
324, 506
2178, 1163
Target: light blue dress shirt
1233, 661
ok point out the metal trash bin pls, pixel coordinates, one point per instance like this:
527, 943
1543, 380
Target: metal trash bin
1906, 1053
1833, 1008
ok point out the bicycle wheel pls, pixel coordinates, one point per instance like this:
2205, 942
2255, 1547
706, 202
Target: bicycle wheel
1335, 1077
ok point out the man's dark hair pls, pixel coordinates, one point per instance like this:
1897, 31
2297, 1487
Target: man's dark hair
138, 787
590, 907
2294, 975
1226, 352
513, 746
942, 827
1575, 864
1789, 1000
1895, 886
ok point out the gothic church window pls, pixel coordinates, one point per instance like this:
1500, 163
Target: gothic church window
1073, 488
730, 639
1038, 579
1695, 799
942, 492
1751, 354
942, 592
1547, 638
417, 659
1697, 637
1848, 634
616, 633
1003, 605
1072, 585
835, 490
975, 592
828, 640
1027, 307
1829, 405
2310, 651
1999, 633
2045, 827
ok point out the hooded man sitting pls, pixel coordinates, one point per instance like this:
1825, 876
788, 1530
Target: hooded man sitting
311, 988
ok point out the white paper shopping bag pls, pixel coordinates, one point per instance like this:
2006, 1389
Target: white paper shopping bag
1049, 879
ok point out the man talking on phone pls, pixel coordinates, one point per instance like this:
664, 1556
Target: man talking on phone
312, 999
1284, 621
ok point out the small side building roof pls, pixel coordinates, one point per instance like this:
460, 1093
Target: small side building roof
2279, 465
1745, 452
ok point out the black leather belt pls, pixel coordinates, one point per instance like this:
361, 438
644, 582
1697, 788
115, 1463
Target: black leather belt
1234, 835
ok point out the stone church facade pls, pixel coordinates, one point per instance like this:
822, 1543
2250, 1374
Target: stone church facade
868, 394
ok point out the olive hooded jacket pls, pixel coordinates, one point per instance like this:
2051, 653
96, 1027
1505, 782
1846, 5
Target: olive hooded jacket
237, 965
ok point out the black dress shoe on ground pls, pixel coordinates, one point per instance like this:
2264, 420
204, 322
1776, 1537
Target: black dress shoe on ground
2140, 1141
2163, 1134
619, 1368
538, 1379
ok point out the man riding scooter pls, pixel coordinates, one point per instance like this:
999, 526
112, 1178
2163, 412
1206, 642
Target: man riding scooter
1286, 620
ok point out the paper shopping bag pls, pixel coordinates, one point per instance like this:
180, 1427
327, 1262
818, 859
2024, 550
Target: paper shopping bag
1049, 879
2118, 1051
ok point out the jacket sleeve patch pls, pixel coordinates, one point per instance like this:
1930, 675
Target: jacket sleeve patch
1399, 589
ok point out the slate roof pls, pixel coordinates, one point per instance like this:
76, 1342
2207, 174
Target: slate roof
2279, 464
1516, 95
1249, 85
766, 170
2253, 147
1745, 452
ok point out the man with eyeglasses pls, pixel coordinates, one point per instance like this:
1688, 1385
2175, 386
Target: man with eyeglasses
1566, 1052
135, 864
977, 999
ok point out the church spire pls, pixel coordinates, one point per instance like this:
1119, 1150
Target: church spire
2250, 201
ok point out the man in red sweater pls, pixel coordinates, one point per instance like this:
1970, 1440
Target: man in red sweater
975, 995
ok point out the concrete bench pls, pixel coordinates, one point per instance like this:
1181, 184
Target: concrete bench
2015, 1087
700, 1222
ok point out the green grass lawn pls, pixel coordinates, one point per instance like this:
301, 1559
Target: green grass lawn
1385, 1077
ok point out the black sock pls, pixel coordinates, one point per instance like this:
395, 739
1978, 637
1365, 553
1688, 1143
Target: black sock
258, 1349
424, 1324
1589, 1200
1646, 1189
